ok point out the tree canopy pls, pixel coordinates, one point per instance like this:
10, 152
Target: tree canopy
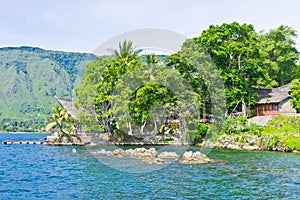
211, 75
295, 93
279, 56
233, 49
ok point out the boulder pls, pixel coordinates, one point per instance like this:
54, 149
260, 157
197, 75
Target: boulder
153, 152
151, 160
118, 152
194, 158
187, 155
233, 146
129, 152
167, 154
250, 148
151, 156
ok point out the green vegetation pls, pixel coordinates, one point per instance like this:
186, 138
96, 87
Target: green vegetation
278, 55
110, 99
30, 125
234, 50
62, 120
295, 93
30, 78
283, 125
291, 142
232, 56
240, 125
242, 58
282, 133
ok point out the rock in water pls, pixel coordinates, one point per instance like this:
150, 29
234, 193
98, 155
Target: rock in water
166, 154
194, 158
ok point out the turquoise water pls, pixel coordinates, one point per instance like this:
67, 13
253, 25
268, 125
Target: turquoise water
43, 172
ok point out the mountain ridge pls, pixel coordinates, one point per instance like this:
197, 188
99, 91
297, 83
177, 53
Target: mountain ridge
30, 77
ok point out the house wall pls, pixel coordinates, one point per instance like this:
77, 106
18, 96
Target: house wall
285, 107
269, 109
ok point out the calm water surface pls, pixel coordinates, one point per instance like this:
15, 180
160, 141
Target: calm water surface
43, 172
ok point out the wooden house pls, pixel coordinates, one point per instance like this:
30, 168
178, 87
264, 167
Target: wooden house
273, 101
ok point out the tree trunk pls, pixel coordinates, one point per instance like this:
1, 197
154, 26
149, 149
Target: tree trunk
155, 125
142, 127
130, 128
204, 110
244, 107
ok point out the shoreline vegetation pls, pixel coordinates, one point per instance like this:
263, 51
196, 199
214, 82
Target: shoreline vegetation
281, 134
202, 95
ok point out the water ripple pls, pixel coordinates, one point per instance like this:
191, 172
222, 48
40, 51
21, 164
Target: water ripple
42, 172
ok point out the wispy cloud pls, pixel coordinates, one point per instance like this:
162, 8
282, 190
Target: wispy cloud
82, 25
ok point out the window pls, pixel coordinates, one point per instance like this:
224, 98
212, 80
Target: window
276, 107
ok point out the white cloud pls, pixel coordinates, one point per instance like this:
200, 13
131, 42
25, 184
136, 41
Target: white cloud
83, 24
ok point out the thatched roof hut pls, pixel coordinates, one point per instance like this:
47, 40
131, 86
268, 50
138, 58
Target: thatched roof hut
273, 101
68, 105
275, 95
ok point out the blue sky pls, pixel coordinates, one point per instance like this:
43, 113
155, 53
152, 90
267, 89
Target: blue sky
82, 25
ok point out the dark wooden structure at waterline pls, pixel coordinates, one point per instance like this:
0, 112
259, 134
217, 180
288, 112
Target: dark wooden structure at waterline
22, 142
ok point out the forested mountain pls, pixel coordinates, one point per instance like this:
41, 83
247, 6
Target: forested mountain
29, 79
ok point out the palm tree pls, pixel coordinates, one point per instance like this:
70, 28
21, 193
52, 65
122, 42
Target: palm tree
126, 52
152, 61
62, 119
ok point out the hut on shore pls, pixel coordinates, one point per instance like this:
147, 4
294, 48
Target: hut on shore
274, 101
68, 105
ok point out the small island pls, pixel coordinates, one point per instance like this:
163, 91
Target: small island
129, 98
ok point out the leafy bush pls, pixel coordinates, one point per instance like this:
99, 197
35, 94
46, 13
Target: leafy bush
166, 139
273, 142
234, 126
291, 142
255, 129
197, 135
283, 125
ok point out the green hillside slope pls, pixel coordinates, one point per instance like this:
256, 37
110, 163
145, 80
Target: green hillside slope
29, 79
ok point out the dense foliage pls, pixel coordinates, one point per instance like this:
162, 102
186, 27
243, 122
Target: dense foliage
131, 94
295, 93
230, 57
279, 56
30, 77
22, 125
247, 59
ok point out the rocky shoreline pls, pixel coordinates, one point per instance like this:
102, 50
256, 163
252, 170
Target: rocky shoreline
247, 143
234, 142
151, 156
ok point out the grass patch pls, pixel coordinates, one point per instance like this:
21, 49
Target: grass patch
283, 125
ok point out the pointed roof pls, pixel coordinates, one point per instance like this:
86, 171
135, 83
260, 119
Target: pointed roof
275, 95
68, 105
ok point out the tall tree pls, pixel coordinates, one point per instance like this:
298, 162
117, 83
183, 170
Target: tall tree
100, 81
87, 93
279, 55
295, 93
233, 49
189, 62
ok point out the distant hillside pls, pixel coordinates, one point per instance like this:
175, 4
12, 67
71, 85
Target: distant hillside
30, 77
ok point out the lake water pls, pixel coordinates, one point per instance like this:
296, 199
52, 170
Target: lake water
46, 172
